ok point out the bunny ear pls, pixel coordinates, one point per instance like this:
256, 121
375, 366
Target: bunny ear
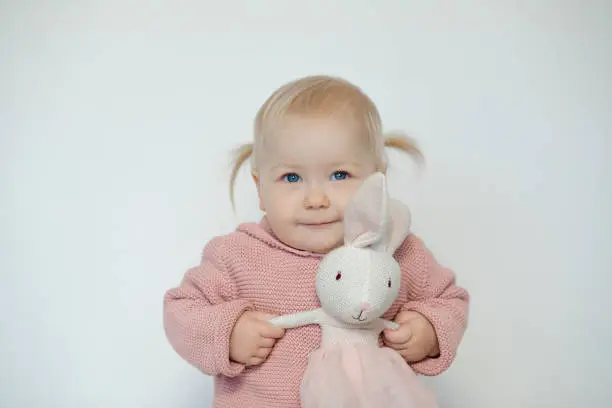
366, 216
373, 219
401, 220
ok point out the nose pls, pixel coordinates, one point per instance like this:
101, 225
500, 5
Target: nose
316, 198
365, 306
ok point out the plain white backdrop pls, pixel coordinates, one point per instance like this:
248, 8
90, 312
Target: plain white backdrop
116, 122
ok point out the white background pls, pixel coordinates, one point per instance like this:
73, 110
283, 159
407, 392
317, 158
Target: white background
116, 119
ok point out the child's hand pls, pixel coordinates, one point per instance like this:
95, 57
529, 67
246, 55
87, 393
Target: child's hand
253, 338
415, 339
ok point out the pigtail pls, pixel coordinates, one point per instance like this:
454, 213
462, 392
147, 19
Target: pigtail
404, 143
240, 156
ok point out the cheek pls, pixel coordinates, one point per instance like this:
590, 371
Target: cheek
343, 195
281, 201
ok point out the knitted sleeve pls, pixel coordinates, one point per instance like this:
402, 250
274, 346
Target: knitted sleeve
199, 314
433, 293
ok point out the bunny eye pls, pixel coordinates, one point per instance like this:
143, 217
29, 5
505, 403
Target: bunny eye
338, 275
389, 283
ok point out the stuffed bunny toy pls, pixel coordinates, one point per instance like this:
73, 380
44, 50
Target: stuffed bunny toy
356, 284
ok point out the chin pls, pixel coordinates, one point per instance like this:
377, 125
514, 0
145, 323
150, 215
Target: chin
320, 245
324, 249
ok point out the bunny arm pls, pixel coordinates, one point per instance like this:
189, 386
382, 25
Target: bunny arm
291, 321
383, 324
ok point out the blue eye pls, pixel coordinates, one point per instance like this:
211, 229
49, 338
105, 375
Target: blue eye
291, 178
340, 175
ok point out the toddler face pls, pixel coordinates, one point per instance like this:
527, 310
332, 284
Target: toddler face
307, 172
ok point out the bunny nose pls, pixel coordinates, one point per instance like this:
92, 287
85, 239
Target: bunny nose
365, 306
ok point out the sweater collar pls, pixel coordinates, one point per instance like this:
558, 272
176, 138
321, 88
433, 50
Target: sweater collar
263, 232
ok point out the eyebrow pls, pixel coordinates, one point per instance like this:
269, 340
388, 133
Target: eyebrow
286, 165
299, 167
342, 164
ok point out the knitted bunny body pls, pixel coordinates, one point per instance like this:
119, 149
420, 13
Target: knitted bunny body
356, 284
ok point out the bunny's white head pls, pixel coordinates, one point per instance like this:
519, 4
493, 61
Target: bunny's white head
359, 281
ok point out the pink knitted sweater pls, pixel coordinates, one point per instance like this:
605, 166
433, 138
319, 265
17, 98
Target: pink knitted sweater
249, 269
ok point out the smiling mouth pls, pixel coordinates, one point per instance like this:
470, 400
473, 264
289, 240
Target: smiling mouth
360, 317
318, 224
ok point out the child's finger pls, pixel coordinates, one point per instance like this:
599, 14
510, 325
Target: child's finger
253, 361
399, 336
410, 354
271, 331
263, 316
266, 342
263, 352
395, 346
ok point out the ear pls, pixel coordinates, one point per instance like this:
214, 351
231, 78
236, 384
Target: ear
366, 216
255, 177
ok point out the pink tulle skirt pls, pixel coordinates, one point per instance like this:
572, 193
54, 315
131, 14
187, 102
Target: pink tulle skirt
361, 376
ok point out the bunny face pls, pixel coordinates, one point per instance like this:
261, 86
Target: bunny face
357, 285
358, 282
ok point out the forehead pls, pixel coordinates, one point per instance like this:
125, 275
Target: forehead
318, 139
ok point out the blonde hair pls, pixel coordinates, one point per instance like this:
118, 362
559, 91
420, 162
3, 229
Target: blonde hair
315, 96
